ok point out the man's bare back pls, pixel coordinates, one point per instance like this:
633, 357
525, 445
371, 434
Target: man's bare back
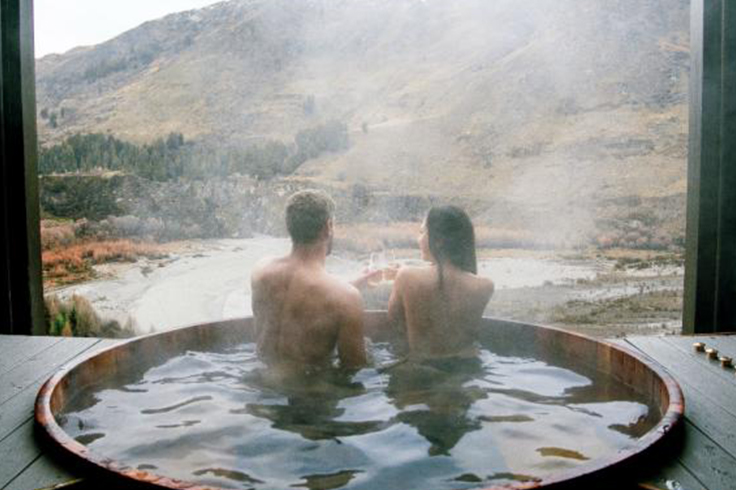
301, 313
439, 321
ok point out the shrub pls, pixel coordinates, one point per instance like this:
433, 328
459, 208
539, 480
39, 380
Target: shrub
125, 225
172, 157
64, 265
77, 318
55, 234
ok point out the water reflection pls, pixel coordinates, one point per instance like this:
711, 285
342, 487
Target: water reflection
222, 419
429, 395
432, 397
312, 403
327, 482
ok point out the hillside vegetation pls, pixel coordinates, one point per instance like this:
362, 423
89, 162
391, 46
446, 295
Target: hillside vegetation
172, 157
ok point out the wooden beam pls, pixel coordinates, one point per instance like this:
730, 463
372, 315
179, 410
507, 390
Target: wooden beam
710, 268
726, 287
21, 305
5, 310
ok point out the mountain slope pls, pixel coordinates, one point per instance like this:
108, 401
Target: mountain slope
541, 108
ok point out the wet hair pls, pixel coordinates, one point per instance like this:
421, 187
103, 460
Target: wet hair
307, 214
451, 238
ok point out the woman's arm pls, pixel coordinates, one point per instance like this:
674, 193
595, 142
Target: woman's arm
396, 315
368, 278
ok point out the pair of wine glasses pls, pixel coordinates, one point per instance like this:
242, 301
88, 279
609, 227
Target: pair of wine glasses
384, 261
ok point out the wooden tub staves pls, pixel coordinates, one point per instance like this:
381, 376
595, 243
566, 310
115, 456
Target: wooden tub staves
124, 362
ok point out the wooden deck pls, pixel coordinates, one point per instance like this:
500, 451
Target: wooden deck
705, 459
25, 364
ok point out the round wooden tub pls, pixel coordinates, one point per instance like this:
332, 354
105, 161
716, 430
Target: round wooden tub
127, 360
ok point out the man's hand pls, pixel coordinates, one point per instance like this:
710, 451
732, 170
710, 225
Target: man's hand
369, 278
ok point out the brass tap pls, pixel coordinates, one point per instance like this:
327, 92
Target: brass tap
726, 362
699, 347
712, 353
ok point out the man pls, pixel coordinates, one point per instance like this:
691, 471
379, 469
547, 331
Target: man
301, 313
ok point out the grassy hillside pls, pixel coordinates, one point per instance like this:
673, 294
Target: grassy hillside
547, 114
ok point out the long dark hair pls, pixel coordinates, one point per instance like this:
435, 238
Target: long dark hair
451, 238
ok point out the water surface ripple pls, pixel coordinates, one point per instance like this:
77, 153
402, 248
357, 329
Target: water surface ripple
222, 419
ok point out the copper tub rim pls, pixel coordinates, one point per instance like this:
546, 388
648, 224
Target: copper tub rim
671, 419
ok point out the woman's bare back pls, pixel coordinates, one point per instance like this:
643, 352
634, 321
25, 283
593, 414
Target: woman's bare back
439, 321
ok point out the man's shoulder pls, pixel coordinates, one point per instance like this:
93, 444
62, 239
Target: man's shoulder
342, 291
483, 285
268, 266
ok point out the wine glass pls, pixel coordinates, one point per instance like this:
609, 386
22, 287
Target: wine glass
391, 267
378, 263
384, 261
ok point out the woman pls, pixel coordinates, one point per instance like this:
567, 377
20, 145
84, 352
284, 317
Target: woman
440, 306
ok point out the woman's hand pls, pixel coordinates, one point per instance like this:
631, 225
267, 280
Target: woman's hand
369, 278
390, 272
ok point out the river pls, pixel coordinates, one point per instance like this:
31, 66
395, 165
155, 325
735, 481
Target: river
208, 280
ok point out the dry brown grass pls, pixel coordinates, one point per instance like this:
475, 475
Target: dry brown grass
55, 234
367, 237
67, 258
486, 237
76, 317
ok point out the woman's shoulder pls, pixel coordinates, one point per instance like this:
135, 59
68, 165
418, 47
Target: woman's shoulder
412, 274
415, 270
476, 283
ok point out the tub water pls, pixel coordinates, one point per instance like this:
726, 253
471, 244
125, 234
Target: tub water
221, 419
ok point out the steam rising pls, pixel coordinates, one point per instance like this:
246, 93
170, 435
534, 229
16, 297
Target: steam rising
536, 115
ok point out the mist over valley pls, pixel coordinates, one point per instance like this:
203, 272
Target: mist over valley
553, 117
560, 125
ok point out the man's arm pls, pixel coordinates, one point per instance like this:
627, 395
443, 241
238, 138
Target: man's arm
266, 338
350, 344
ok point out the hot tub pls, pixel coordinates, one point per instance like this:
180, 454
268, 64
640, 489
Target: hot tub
531, 349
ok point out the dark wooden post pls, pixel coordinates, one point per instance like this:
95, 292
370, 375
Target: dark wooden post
710, 270
21, 305
726, 308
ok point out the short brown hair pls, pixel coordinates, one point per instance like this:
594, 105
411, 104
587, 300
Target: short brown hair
307, 213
